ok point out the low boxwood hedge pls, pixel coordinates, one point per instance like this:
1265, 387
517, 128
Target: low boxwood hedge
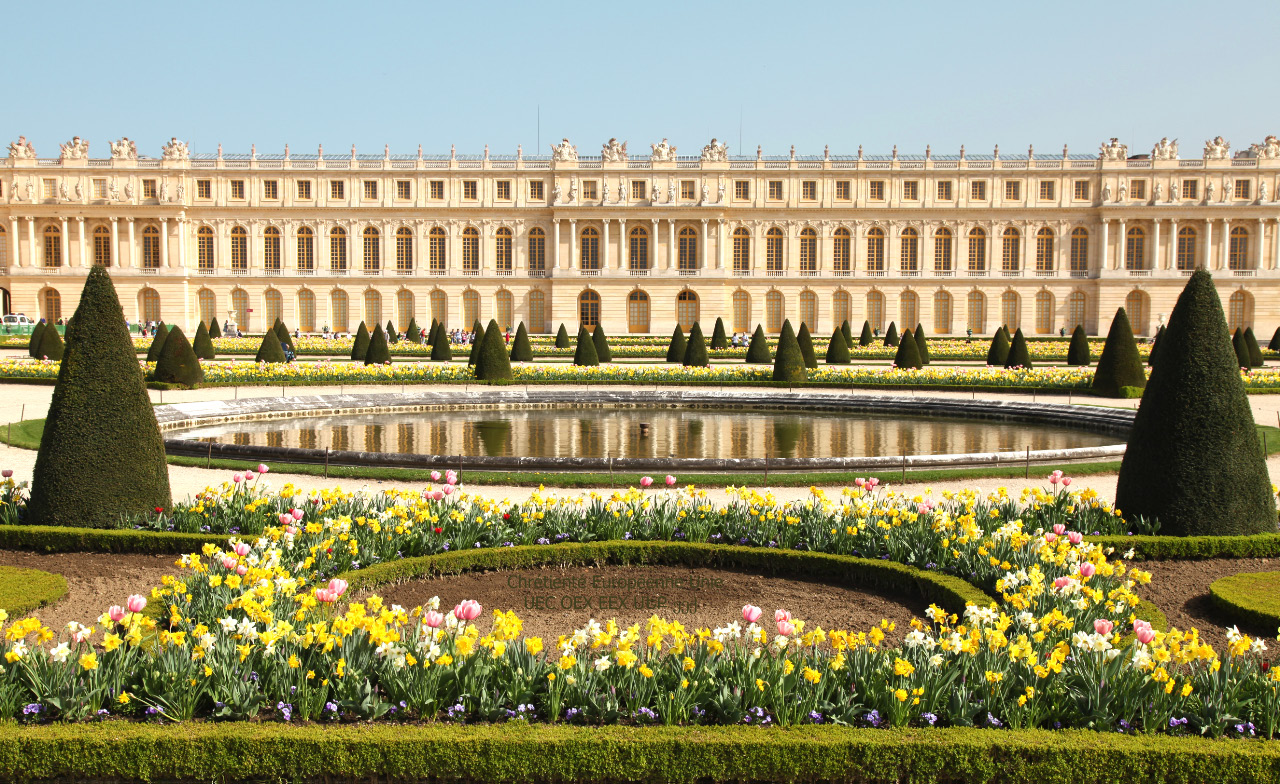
1249, 597
23, 590
1192, 548
59, 539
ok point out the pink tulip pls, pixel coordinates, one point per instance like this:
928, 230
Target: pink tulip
1053, 478
447, 489
338, 586
1066, 481
751, 613
262, 468
450, 478
1050, 537
645, 481
291, 529
433, 619
286, 518
237, 478
671, 480
1061, 582
1103, 626
242, 570
116, 613
873, 482
1059, 529
249, 476
242, 549
859, 482
8, 472
325, 595
228, 562
781, 615
467, 610
786, 628
1087, 569
136, 603
1144, 632
1075, 537
435, 476
437, 495
297, 514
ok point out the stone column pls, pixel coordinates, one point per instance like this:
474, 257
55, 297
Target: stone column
671, 243
1104, 261
1155, 244
720, 244
115, 242
1208, 244
1171, 261
573, 244
15, 240
1275, 246
555, 244
65, 242
132, 257
31, 242
164, 242
622, 244
604, 248
83, 251
1224, 245
182, 243
1122, 260
702, 252
1262, 235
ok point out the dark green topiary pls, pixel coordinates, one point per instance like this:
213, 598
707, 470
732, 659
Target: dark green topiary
361, 347
788, 362
1155, 347
393, 335
719, 338
1119, 366
908, 355
562, 338
847, 331
178, 363
806, 346
891, 335
442, 348
379, 352
432, 331
202, 345
866, 337
270, 349
521, 349
50, 344
1241, 349
602, 344
922, 344
1018, 354
999, 350
585, 354
157, 342
695, 352
1078, 352
33, 345
413, 333
838, 349
477, 332
215, 331
493, 364
286, 339
758, 348
1255, 352
1274, 345
1193, 461
101, 455
677, 346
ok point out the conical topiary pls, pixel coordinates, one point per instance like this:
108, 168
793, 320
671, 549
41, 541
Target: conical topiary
1274, 345
677, 346
1255, 352
432, 331
1193, 461
33, 345
908, 355
805, 339
393, 335
157, 342
413, 333
602, 344
788, 362
202, 345
1019, 356
891, 335
1241, 349
847, 331
1078, 352
178, 363
215, 331
719, 338
282, 332
585, 353
1119, 366
1155, 347
101, 455
477, 332
493, 364
270, 349
838, 349
521, 349
998, 352
442, 348
379, 352
695, 351
922, 344
51, 344
758, 349
867, 335
562, 338
361, 347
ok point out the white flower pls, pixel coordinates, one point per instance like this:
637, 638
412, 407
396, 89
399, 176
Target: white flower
19, 649
935, 660
1233, 634
1258, 646
1128, 554
601, 664
60, 653
207, 641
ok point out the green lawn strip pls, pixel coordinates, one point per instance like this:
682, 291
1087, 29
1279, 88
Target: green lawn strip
1250, 597
23, 590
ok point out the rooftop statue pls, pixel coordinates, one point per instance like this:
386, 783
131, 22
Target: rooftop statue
612, 152
1216, 150
22, 150
564, 151
177, 151
76, 149
125, 149
663, 151
1165, 150
715, 152
1114, 150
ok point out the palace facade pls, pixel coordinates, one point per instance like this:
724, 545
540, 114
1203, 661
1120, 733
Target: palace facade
640, 242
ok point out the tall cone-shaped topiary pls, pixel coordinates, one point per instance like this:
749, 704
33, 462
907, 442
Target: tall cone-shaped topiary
178, 363
1078, 352
788, 362
1155, 347
521, 349
1274, 345
603, 353
847, 331
270, 349
157, 342
361, 345
379, 352
1193, 461
1255, 351
33, 345
431, 332
101, 455
677, 346
477, 332
805, 339
695, 351
393, 335
1019, 356
215, 331
585, 353
998, 352
442, 348
838, 349
922, 344
719, 338
891, 335
758, 350
51, 344
286, 339
908, 355
866, 337
202, 345
493, 364
562, 338
413, 333
1242, 350
1119, 366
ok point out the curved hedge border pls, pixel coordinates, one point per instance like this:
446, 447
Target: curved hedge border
59, 539
557, 753
1250, 597
1193, 548
23, 590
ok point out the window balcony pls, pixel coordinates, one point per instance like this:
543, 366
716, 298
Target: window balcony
506, 272
537, 273
910, 273
1186, 273
1011, 273
371, 271
809, 273
306, 270
338, 271
775, 273
589, 273
270, 271
150, 270
1244, 273
471, 273
875, 273
206, 271
944, 273
1079, 273
239, 271
404, 271
1041, 273
742, 273
639, 272
689, 272
841, 273
1139, 273
980, 273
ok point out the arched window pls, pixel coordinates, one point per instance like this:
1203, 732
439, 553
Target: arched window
687, 309
240, 308
102, 246
537, 311
275, 306
439, 306
589, 249
208, 302
809, 310
1044, 250
372, 251
638, 249
52, 302
149, 300
307, 310
1079, 251
1076, 303
741, 311
1011, 311
502, 251
339, 305
978, 254
1239, 311
1135, 306
841, 309
589, 309
942, 251
1186, 248
471, 308
307, 254
505, 305
404, 251
841, 252
239, 250
977, 306
1044, 313
773, 312
338, 252
406, 304
909, 309
1135, 249
372, 309
808, 252
151, 248
470, 253
741, 251
52, 246
875, 309
773, 259
941, 313
436, 250
271, 249
875, 251
638, 312
909, 255
687, 250
1238, 249
537, 250
1011, 247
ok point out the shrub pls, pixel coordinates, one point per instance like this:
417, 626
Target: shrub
441, 348
758, 350
521, 350
585, 354
270, 349
1241, 350
157, 342
1249, 597
677, 346
33, 345
1155, 347
1018, 354
719, 339
1119, 366
413, 333
493, 364
998, 353
24, 590
101, 455
379, 352
562, 338
178, 363
908, 355
203, 346
393, 334
891, 334
847, 331
361, 346
215, 331
695, 352
1274, 345
805, 340
432, 331
1193, 461
286, 340
51, 346
866, 337
1251, 342
1078, 351
477, 332
922, 344
602, 344
788, 363
838, 349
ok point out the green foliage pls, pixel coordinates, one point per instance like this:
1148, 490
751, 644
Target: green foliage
392, 334
867, 336
203, 346
891, 334
157, 342
215, 331
847, 331
24, 590
413, 333
282, 332
1018, 354
432, 331
838, 349
562, 337
1155, 347
602, 344
1251, 342
51, 346
33, 345
998, 353
1119, 366
270, 349
695, 352
908, 355
101, 455
379, 352
805, 339
788, 362
758, 348
493, 364
585, 354
1274, 345
178, 363
1249, 597
477, 332
1078, 351
442, 348
1193, 460
676, 349
922, 344
521, 349
361, 345
1241, 350
719, 338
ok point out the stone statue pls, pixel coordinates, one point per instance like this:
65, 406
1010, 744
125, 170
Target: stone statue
125, 149
1208, 191
573, 191
1174, 191
557, 194
74, 150
31, 189
1262, 191
1217, 150
128, 190
1165, 150
63, 193
22, 150
564, 151
612, 152
1226, 188
182, 193
79, 191
663, 151
655, 193
1270, 148
671, 192
604, 193
1114, 150
1124, 191
706, 193
177, 151
715, 152
1159, 191
720, 193
164, 191
1106, 193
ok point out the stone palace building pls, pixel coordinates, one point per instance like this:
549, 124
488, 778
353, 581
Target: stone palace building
639, 241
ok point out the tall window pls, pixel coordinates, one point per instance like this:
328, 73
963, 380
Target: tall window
1239, 311
52, 246
339, 307
405, 306
208, 302
909, 309
1238, 250
741, 251
808, 251
372, 309
505, 306
404, 251
942, 251
637, 312
470, 251
589, 309
271, 249
741, 311
809, 310
687, 309
439, 306
307, 253
773, 251
435, 249
977, 306
240, 308
1011, 260
589, 249
1011, 310
372, 250
275, 306
941, 313
841, 252
151, 248
638, 249
1079, 250
52, 302
1135, 306
471, 308
239, 249
875, 309
102, 246
978, 253
1135, 249
909, 256
1044, 250
502, 251
307, 310
773, 312
841, 308
537, 311
1186, 248
338, 252
150, 300
875, 251
1044, 313
687, 250
537, 250
1076, 303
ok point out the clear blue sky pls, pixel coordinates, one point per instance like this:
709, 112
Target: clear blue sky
808, 74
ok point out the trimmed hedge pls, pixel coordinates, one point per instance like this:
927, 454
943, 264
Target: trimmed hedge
67, 539
922, 343
676, 349
695, 350
360, 346
178, 363
51, 345
202, 345
1249, 597
33, 345
1190, 548
157, 342
788, 363
521, 350
1119, 366
24, 590
719, 339
758, 350
838, 349
805, 339
379, 352
585, 355
601, 342
562, 337
891, 335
